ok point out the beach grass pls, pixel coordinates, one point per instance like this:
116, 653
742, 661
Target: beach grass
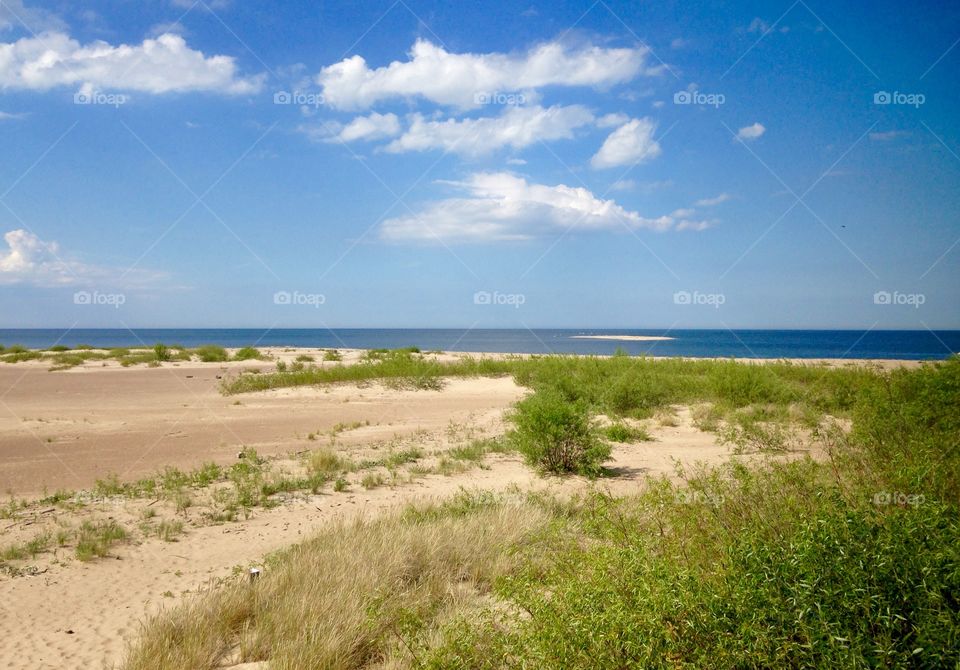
851, 561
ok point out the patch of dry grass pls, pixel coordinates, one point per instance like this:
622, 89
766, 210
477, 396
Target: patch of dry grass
358, 594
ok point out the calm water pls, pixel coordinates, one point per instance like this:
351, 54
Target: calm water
707, 343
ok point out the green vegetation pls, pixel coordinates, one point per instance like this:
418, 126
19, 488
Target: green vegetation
248, 354
555, 434
332, 355
401, 368
853, 561
621, 432
94, 539
211, 353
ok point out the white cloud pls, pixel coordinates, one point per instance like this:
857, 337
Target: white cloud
612, 120
458, 79
372, 127
14, 16
10, 116
751, 132
695, 226
516, 161
710, 202
501, 206
30, 260
161, 65
516, 127
174, 27
630, 143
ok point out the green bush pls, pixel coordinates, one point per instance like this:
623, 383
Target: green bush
247, 354
211, 353
555, 434
161, 352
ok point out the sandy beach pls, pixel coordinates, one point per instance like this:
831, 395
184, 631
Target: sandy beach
67, 429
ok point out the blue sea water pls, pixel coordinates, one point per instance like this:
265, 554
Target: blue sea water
899, 344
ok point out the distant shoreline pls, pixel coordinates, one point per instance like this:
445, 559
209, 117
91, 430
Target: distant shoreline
624, 338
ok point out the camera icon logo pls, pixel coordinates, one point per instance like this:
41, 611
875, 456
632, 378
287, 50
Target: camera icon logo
881, 98
882, 298
282, 98
282, 298
682, 98
682, 298
82, 298
482, 298
82, 98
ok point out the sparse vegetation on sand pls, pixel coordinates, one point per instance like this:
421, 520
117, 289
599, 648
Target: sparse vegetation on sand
853, 561
401, 368
62, 357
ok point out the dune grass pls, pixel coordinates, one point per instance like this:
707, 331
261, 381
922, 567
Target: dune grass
356, 594
402, 368
852, 562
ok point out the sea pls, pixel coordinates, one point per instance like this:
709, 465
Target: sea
853, 344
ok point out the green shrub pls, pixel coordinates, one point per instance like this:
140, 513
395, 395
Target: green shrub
161, 352
555, 434
247, 354
211, 353
332, 355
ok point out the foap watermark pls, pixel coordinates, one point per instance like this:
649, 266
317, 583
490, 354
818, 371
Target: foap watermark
697, 298
99, 98
114, 300
898, 498
897, 298
499, 98
299, 98
898, 98
698, 98
699, 498
497, 298
297, 298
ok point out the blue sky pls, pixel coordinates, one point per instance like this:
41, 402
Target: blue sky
501, 164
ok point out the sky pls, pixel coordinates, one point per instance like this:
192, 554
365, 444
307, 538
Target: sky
170, 163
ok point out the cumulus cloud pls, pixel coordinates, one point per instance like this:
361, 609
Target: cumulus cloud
162, 65
630, 143
710, 202
501, 206
465, 80
516, 127
612, 120
751, 132
367, 128
30, 260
